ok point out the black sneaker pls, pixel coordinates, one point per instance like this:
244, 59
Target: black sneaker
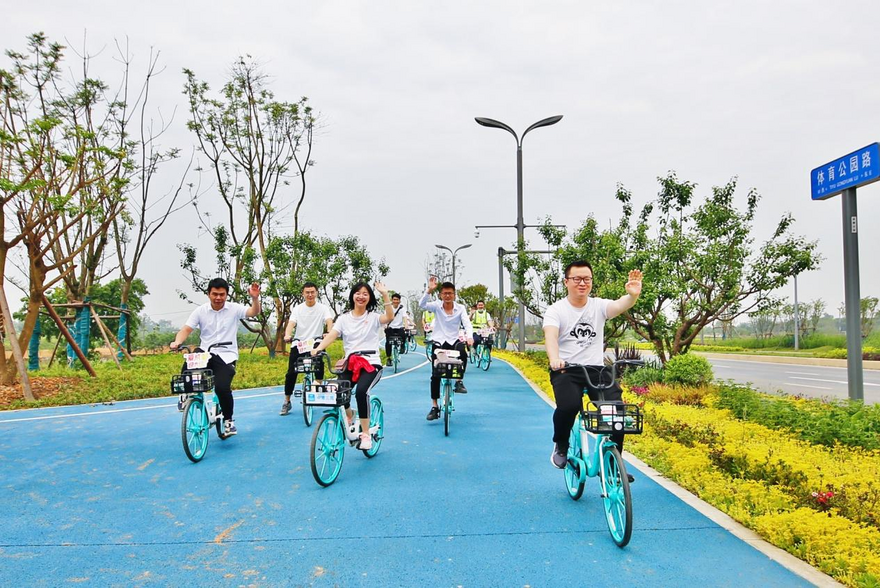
630, 478
434, 413
559, 457
388, 362
459, 387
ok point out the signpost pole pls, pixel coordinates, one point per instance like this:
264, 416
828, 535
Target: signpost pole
855, 377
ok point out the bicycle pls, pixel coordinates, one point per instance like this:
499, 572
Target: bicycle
198, 413
396, 345
449, 368
411, 339
591, 452
429, 347
308, 366
482, 355
327, 448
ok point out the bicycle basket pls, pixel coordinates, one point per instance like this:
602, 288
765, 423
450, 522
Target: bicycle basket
330, 393
308, 364
192, 382
447, 369
395, 339
613, 417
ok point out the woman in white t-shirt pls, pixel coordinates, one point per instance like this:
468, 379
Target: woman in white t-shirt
359, 329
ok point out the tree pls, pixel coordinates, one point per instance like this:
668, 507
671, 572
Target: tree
470, 295
699, 260
251, 142
61, 176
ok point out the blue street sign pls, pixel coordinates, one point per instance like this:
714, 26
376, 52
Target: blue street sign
856, 169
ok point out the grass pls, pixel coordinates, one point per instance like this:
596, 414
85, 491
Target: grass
148, 376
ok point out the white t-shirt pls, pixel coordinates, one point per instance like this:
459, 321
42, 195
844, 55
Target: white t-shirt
309, 320
360, 334
399, 314
581, 330
218, 326
446, 325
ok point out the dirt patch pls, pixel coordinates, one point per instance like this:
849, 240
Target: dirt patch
42, 388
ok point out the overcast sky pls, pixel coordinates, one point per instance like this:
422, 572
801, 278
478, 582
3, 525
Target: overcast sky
764, 91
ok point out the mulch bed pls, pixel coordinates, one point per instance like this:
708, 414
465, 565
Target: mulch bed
42, 388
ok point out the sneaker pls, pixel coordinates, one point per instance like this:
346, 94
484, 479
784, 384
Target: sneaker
230, 429
285, 409
630, 478
559, 457
434, 413
180, 403
366, 442
388, 362
459, 387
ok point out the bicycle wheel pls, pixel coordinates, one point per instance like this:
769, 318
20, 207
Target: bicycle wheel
308, 412
412, 343
447, 405
616, 496
428, 349
486, 359
575, 469
194, 429
377, 419
395, 356
475, 354
218, 420
328, 449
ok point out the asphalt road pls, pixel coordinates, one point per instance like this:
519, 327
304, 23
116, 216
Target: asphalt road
806, 380
104, 496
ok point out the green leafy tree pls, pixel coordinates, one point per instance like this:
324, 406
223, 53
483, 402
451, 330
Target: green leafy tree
869, 313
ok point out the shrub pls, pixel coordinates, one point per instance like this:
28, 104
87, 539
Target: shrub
868, 353
688, 370
682, 395
643, 377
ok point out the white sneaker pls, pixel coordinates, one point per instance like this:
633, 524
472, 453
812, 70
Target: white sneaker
366, 442
230, 429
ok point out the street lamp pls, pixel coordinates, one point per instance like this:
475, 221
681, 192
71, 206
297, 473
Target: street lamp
520, 225
453, 255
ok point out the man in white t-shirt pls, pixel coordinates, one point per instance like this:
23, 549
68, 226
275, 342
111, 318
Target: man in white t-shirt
574, 331
309, 318
217, 321
396, 328
449, 317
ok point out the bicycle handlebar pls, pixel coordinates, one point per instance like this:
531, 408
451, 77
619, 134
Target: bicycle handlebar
189, 350
601, 369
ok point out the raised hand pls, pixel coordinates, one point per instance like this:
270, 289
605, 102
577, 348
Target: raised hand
380, 286
432, 283
254, 290
634, 284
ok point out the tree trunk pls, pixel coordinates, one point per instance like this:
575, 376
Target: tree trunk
16, 349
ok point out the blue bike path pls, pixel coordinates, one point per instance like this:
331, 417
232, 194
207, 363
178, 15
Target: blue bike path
105, 496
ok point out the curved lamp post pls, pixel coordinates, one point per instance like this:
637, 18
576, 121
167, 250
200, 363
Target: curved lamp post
453, 255
520, 225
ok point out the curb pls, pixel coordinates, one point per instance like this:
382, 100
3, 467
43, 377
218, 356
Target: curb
780, 556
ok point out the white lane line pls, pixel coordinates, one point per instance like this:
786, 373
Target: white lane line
158, 406
799, 385
803, 373
830, 381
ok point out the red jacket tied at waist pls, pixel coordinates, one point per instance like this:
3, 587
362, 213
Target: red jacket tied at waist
356, 363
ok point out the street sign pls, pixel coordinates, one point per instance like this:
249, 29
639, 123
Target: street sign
856, 169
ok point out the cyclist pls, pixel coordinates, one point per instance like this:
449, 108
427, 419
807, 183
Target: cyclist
359, 329
449, 315
574, 331
396, 327
481, 319
217, 321
309, 318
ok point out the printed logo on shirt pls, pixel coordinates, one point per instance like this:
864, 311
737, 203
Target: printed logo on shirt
584, 334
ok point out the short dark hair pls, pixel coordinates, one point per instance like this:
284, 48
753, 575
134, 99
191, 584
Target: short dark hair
483, 301
371, 304
310, 285
395, 295
446, 285
578, 263
218, 284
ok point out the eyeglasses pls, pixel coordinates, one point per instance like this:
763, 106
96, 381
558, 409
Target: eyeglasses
580, 280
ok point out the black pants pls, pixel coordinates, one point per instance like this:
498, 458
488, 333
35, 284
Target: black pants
568, 386
479, 339
435, 380
389, 333
223, 374
291, 376
362, 388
